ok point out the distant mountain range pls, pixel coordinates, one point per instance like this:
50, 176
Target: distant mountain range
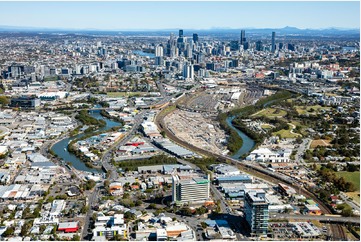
285, 30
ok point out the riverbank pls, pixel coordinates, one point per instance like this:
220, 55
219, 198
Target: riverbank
60, 148
238, 133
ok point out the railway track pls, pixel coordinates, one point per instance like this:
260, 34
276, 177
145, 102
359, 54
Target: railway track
337, 230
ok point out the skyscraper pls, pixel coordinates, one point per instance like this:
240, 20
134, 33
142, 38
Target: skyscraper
159, 50
243, 37
188, 71
291, 47
256, 211
259, 46
273, 48
159, 61
195, 38
234, 45
189, 52
181, 33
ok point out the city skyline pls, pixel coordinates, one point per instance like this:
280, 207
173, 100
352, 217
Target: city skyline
168, 15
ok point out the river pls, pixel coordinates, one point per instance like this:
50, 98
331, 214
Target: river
142, 53
248, 143
60, 148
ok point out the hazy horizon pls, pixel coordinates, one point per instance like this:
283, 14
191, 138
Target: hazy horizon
167, 29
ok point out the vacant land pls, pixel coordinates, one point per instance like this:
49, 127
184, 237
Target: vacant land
320, 142
353, 177
270, 113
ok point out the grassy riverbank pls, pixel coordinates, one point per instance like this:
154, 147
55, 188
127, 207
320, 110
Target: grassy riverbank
235, 142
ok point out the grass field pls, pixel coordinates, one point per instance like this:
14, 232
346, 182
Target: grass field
319, 142
286, 133
266, 126
124, 94
307, 109
303, 127
271, 113
353, 177
50, 78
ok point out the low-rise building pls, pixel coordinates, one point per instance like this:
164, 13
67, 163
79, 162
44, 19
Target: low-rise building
107, 227
68, 227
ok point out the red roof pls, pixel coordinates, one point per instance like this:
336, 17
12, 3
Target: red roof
68, 227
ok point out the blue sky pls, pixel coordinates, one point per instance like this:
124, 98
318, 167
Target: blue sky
174, 15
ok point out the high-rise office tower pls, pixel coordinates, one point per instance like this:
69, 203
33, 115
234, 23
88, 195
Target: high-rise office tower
245, 45
200, 58
291, 47
189, 52
181, 42
259, 45
195, 38
243, 37
159, 61
234, 45
159, 50
256, 211
188, 71
273, 48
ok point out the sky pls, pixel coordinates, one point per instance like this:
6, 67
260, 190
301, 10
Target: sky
180, 15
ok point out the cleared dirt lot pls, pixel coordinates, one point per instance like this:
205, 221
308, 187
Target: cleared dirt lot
196, 129
320, 142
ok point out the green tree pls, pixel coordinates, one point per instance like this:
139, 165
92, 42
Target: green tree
4, 100
152, 206
204, 225
75, 237
9, 231
90, 184
84, 209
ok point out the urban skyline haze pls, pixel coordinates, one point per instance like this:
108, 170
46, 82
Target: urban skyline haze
187, 15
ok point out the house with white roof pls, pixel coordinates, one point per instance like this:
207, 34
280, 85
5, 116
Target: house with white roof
267, 155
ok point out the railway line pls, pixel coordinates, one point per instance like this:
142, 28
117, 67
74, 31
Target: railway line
337, 230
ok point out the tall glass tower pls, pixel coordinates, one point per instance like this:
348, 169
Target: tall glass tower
273, 48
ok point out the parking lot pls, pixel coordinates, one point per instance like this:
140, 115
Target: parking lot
296, 230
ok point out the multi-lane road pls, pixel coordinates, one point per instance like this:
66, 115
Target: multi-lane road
108, 154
